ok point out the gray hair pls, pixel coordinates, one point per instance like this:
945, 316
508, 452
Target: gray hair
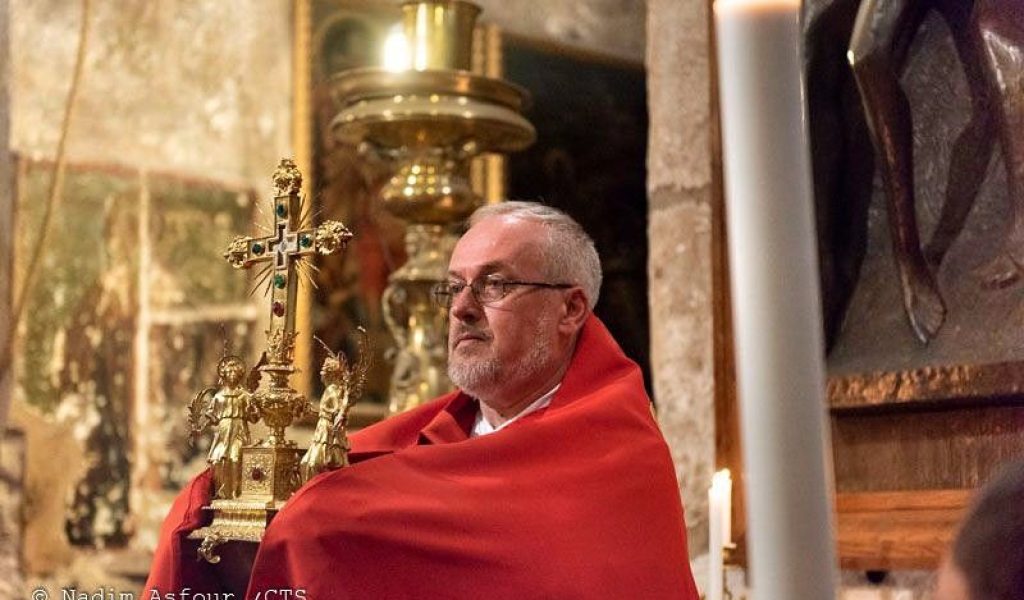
570, 253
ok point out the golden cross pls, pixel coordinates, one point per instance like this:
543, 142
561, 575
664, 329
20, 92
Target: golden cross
289, 244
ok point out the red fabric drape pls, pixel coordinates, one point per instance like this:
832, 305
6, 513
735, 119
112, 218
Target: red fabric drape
578, 500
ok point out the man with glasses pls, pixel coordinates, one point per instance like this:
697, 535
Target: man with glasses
516, 306
544, 475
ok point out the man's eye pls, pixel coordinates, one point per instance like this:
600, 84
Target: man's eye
455, 288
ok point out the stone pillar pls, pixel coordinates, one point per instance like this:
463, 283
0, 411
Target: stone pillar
679, 234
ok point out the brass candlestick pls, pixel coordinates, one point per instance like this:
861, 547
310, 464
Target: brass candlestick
429, 119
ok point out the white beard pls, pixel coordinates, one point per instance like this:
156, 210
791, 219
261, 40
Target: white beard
479, 377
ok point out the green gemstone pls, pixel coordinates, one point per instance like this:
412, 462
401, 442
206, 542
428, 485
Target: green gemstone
282, 210
279, 281
257, 248
305, 241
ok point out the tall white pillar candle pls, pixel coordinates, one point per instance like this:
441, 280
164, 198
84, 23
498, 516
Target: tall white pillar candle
776, 300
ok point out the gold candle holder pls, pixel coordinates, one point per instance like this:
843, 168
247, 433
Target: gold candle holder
429, 121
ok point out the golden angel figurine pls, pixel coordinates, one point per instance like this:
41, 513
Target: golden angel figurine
229, 409
343, 385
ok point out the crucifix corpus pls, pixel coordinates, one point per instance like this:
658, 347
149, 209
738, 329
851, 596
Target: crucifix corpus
252, 480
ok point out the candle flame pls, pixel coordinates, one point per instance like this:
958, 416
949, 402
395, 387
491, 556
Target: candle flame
396, 50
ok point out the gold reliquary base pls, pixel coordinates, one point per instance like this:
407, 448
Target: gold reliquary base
269, 476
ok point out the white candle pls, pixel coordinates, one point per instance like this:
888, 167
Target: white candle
721, 486
719, 525
776, 301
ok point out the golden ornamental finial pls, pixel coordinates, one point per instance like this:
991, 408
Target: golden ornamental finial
331, 237
237, 253
287, 178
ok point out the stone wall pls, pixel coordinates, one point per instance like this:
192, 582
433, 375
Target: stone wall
679, 229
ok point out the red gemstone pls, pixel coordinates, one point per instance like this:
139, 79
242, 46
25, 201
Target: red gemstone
278, 309
257, 474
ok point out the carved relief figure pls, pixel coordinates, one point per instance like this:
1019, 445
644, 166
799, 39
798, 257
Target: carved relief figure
989, 39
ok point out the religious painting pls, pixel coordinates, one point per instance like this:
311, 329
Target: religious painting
75, 359
190, 223
129, 310
199, 307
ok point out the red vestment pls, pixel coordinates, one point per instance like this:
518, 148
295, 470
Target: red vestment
577, 500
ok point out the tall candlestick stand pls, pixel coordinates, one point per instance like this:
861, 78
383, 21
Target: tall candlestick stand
429, 120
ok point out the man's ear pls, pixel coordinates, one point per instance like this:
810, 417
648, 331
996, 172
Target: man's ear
576, 309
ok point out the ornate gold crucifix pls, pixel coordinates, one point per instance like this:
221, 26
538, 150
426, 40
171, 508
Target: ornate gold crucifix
287, 246
267, 471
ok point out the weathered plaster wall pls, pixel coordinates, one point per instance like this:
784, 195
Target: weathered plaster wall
194, 87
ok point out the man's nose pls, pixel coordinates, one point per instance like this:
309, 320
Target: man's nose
465, 306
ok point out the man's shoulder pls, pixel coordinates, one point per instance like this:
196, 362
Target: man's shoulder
400, 430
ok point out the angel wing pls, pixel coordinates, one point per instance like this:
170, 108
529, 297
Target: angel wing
252, 381
359, 371
199, 412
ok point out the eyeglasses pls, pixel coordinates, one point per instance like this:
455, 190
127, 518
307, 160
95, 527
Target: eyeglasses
485, 291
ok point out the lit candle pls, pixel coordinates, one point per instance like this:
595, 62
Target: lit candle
719, 531
776, 300
396, 50
721, 485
